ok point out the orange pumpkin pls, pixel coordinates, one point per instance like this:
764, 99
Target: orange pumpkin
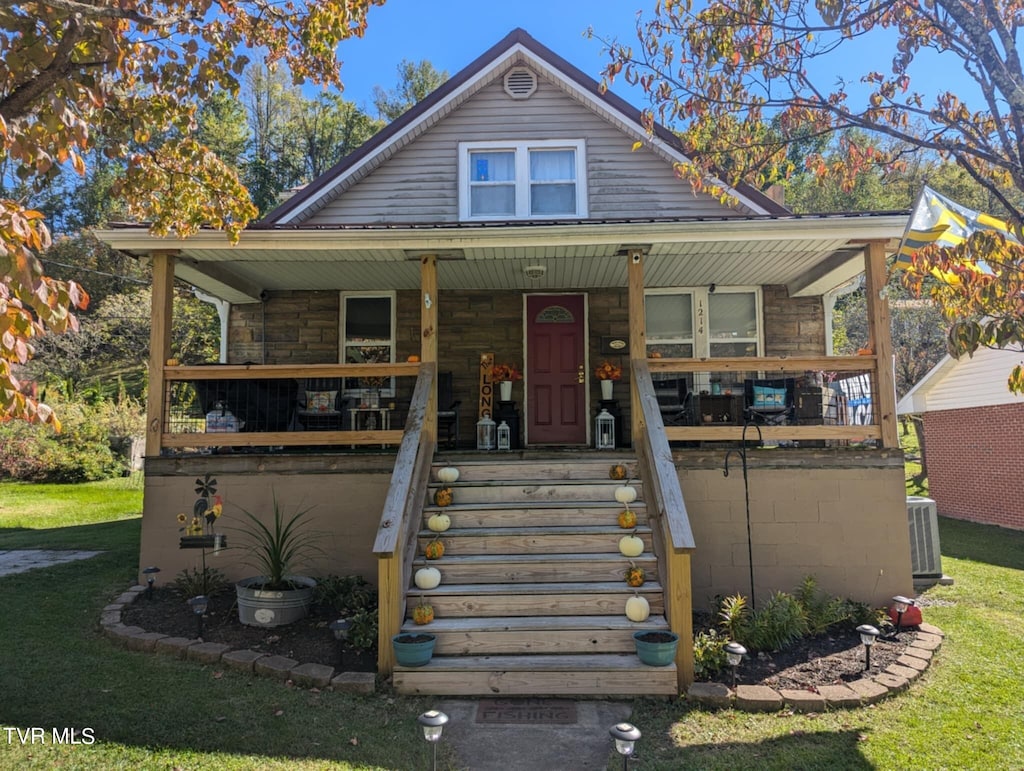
434, 550
443, 496
627, 519
423, 613
618, 471
635, 575
413, 357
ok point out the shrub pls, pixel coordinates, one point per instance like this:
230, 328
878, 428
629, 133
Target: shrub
352, 597
84, 449
362, 633
708, 653
195, 581
735, 617
777, 625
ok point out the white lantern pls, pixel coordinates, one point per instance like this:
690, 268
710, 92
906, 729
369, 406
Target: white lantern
604, 430
504, 436
485, 431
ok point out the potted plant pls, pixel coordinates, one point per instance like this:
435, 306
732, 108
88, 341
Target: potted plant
656, 648
276, 596
413, 649
607, 373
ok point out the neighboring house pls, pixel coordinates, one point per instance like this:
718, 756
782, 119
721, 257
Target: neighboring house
973, 428
520, 212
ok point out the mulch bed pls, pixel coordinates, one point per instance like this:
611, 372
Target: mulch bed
307, 640
833, 658
829, 659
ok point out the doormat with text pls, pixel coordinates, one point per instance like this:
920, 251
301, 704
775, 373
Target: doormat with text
526, 711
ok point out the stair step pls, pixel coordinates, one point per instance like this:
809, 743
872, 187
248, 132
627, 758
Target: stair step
536, 599
536, 634
561, 514
545, 675
514, 492
506, 568
511, 469
533, 540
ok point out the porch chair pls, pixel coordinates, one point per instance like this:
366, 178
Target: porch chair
321, 404
770, 401
447, 411
675, 400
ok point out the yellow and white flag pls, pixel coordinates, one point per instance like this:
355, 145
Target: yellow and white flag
938, 220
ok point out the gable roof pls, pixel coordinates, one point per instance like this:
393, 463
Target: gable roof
970, 381
518, 47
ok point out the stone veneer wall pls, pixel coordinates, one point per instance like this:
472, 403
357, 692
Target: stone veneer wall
847, 526
975, 465
303, 328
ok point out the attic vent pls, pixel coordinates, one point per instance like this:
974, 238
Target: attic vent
520, 83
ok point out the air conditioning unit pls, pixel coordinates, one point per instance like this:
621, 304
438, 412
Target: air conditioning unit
925, 556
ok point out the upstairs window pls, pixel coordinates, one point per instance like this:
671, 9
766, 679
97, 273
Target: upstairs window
522, 180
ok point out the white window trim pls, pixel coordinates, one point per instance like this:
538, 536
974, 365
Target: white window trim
702, 339
391, 342
522, 176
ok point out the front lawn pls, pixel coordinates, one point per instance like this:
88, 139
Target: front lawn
965, 713
147, 711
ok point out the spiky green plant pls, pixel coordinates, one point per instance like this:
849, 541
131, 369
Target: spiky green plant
277, 551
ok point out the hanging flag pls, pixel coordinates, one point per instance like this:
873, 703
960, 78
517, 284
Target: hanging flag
938, 220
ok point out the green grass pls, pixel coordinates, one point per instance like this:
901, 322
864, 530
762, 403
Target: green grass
917, 483
964, 713
148, 711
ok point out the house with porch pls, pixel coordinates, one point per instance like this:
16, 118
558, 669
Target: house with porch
519, 215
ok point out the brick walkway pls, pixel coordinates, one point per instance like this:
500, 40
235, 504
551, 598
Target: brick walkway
20, 560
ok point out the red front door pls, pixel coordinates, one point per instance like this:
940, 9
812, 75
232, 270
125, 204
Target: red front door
556, 369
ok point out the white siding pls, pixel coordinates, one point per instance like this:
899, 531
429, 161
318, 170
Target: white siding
974, 382
419, 183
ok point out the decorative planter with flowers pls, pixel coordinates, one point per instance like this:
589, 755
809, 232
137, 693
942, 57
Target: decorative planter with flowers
607, 373
504, 375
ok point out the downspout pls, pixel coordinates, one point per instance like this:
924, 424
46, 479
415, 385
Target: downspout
223, 311
829, 301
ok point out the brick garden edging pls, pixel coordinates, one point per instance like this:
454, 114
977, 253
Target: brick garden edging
309, 675
868, 690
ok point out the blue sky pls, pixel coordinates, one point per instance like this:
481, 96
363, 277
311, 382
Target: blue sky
451, 33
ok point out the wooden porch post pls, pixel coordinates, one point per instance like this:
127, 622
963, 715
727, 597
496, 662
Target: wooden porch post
880, 337
637, 333
159, 346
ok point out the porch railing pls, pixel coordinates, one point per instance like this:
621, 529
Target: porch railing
847, 387
395, 543
672, 532
182, 422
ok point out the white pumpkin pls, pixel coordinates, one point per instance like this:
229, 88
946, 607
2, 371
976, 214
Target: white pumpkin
427, 578
637, 608
625, 494
439, 522
631, 545
448, 474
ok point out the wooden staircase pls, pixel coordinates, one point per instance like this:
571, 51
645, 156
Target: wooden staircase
532, 596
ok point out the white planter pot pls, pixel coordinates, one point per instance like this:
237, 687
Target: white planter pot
606, 389
505, 390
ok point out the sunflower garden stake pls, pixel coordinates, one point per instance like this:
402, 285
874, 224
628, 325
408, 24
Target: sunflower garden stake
198, 532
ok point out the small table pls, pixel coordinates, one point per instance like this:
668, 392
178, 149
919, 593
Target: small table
369, 416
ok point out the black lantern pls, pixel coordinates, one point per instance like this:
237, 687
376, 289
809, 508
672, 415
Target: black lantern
868, 635
199, 605
734, 653
150, 574
626, 736
433, 722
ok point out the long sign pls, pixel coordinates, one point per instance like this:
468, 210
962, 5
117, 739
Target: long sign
486, 385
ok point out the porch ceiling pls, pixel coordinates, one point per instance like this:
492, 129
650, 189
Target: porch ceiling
810, 255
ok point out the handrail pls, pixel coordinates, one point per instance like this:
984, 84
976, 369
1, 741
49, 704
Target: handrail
271, 371
658, 455
766, 364
404, 501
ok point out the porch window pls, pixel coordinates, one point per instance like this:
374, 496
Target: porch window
687, 323
368, 337
521, 180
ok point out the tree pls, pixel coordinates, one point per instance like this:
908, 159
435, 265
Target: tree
415, 81
329, 129
75, 71
743, 79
